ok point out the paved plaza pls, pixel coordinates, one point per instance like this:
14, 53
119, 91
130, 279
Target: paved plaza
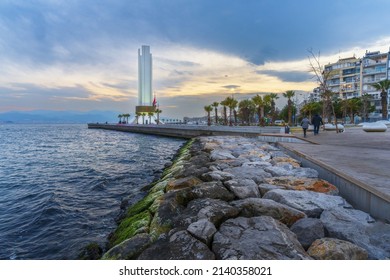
364, 156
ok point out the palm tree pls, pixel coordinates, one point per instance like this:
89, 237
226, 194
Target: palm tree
150, 115
310, 108
127, 116
120, 118
234, 104
354, 105
224, 103
247, 108
289, 94
260, 103
143, 117
158, 112
383, 86
208, 109
270, 98
215, 105
366, 108
137, 115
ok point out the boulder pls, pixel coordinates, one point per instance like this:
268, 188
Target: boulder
220, 154
214, 210
308, 230
301, 183
129, 249
214, 189
182, 183
217, 176
252, 207
203, 230
311, 203
359, 228
285, 159
264, 188
257, 238
243, 188
179, 246
257, 164
335, 249
256, 174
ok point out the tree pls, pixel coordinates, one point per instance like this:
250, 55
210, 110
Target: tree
120, 118
289, 94
158, 112
383, 86
260, 103
143, 117
354, 105
208, 109
150, 115
246, 110
127, 116
311, 108
234, 104
270, 99
366, 106
322, 78
137, 115
224, 103
215, 105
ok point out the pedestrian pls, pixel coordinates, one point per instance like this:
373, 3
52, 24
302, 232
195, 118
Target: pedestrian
287, 129
316, 122
305, 125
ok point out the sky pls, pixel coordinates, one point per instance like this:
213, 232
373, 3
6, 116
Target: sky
82, 55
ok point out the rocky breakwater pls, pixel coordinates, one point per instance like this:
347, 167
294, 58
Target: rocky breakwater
239, 198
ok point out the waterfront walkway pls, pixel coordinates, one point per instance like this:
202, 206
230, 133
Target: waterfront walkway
357, 156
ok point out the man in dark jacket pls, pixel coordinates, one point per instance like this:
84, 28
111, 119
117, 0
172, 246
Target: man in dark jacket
316, 121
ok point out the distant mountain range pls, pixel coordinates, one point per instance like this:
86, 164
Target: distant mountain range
42, 116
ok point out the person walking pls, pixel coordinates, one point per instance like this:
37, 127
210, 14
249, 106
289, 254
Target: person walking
316, 122
305, 125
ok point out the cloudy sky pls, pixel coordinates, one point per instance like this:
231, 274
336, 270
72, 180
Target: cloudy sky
82, 55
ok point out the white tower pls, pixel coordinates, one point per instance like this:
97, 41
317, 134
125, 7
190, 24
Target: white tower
144, 77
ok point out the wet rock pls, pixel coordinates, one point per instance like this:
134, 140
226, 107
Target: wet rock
257, 238
335, 249
243, 188
311, 203
252, 207
221, 154
359, 228
203, 230
217, 176
194, 170
301, 183
264, 188
90, 252
213, 189
182, 183
214, 210
256, 174
179, 246
129, 249
308, 230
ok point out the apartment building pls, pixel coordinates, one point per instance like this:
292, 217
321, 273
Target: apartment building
351, 77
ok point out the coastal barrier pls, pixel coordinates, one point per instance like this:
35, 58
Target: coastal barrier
269, 134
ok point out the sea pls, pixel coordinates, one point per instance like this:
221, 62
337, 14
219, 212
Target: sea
62, 185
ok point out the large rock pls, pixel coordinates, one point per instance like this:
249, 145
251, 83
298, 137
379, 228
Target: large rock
311, 203
308, 230
252, 207
213, 189
182, 183
264, 188
257, 164
179, 246
221, 154
285, 159
359, 228
243, 188
302, 183
129, 249
257, 238
217, 175
256, 174
335, 249
214, 210
203, 230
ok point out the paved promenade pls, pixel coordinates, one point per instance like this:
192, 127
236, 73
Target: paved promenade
359, 156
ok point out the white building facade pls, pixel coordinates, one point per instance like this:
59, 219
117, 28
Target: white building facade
145, 76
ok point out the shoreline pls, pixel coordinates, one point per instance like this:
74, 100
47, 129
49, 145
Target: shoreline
208, 191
